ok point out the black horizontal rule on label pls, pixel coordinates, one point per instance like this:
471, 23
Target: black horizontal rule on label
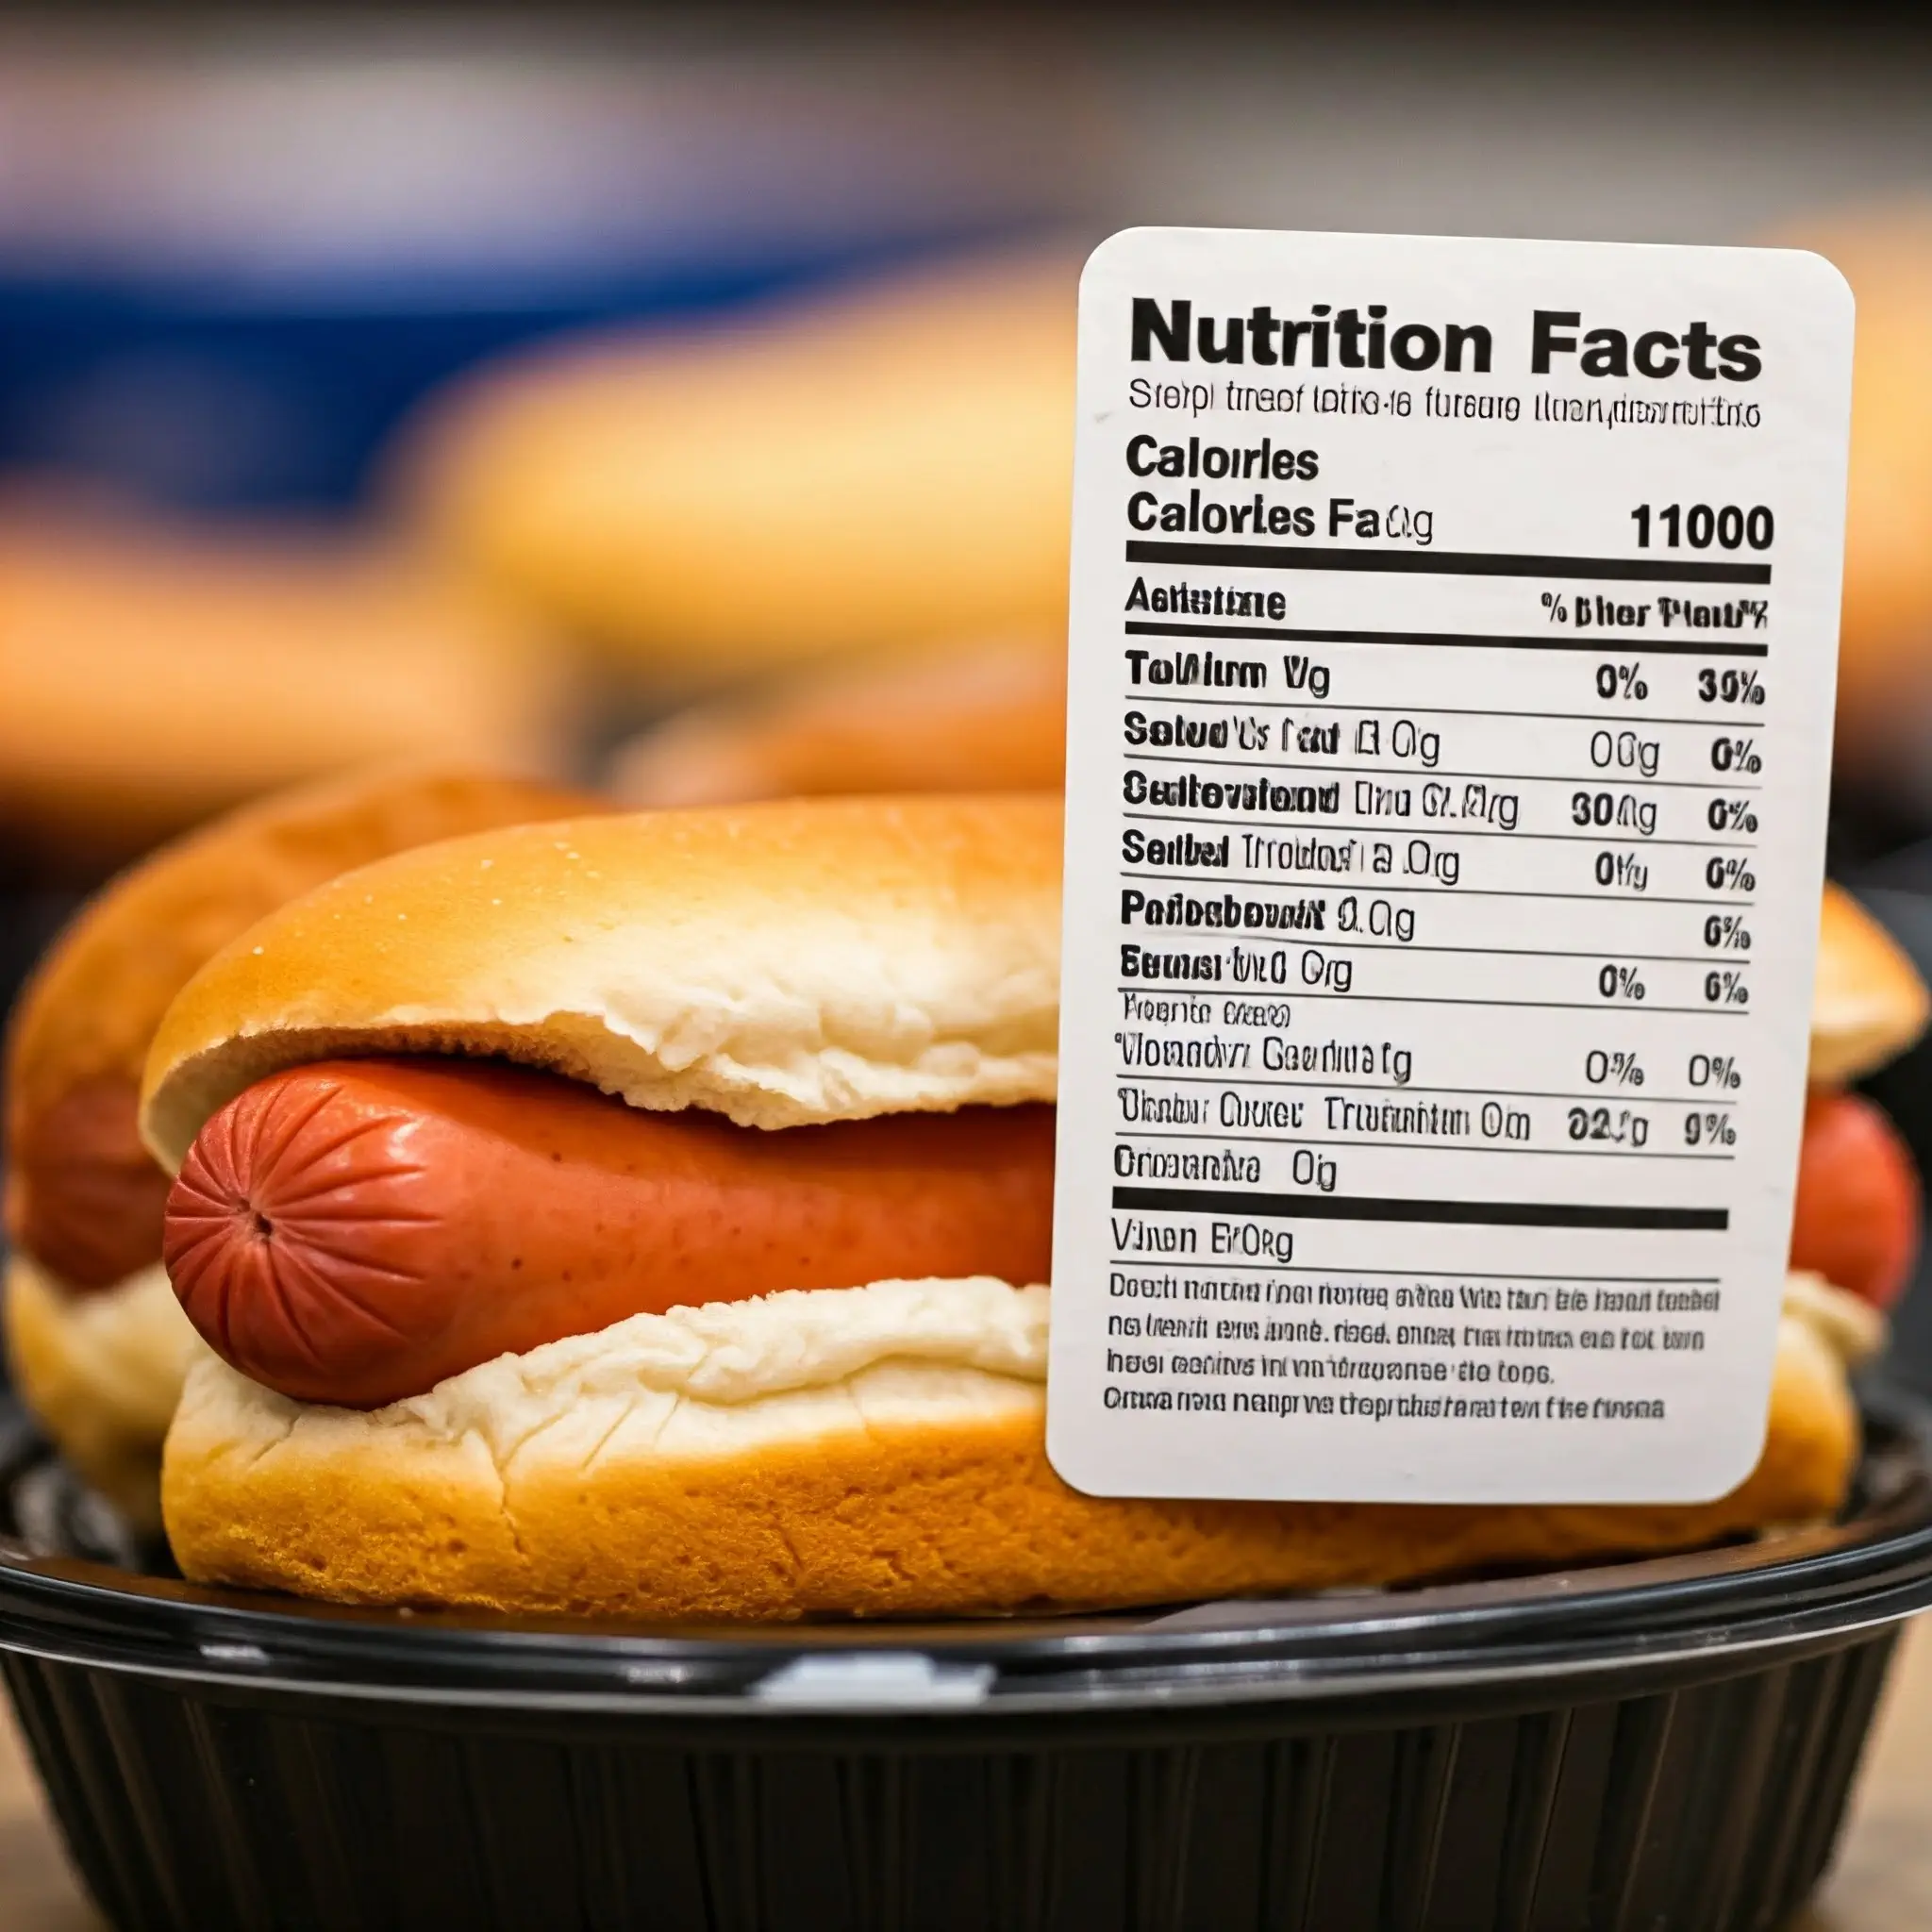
1382, 1208
1451, 563
1450, 639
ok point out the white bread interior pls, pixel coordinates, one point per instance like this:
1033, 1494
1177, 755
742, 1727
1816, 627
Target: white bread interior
786, 964
1856, 1330
102, 1373
874, 1450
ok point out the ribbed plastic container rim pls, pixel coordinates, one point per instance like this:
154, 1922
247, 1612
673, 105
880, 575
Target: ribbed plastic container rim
1873, 1568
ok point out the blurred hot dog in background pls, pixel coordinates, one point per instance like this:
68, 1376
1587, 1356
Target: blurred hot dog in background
95, 1336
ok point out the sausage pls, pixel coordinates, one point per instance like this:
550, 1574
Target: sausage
1856, 1219
354, 1231
84, 1197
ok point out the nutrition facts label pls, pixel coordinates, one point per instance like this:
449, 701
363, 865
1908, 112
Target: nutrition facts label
1454, 630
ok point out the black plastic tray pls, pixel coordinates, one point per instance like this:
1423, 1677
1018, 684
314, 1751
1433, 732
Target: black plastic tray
1658, 1744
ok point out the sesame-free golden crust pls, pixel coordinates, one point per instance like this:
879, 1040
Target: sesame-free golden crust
818, 959
906, 1497
1868, 1003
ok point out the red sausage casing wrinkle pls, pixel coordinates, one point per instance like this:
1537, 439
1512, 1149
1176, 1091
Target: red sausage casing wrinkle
355, 1231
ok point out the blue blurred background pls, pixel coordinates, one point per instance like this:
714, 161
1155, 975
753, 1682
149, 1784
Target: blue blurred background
233, 254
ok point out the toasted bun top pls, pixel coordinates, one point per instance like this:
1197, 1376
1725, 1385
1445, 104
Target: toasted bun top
780, 963
1870, 1002
784, 963
90, 1010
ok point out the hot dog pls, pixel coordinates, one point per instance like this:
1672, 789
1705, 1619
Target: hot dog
1856, 1217
355, 1231
84, 1196
788, 1145
95, 1349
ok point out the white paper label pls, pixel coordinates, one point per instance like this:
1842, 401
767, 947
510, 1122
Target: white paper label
1453, 642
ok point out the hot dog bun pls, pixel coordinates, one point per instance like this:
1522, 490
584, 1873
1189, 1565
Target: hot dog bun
874, 1450
1000, 713
84, 1202
780, 964
868, 1449
1868, 1003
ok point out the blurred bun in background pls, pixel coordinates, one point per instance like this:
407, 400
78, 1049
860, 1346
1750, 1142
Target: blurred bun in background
984, 717
874, 470
1885, 663
97, 1342
151, 675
